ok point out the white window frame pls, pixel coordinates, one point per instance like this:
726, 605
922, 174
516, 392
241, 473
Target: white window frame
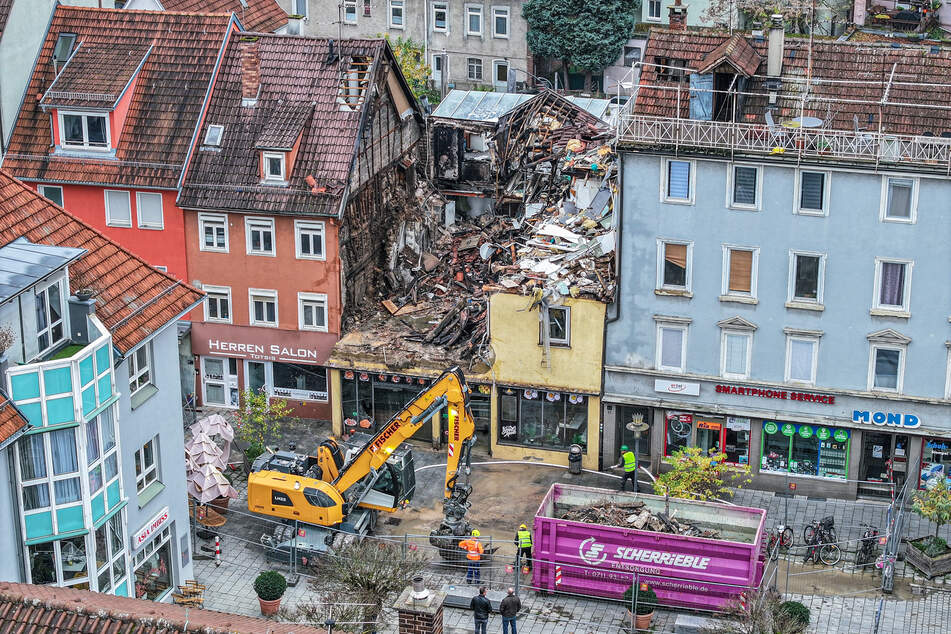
138, 207
798, 209
498, 12
787, 374
474, 9
791, 298
725, 293
204, 219
912, 213
902, 352
214, 135
146, 474
496, 64
469, 66
85, 144
109, 221
346, 5
313, 229
136, 372
312, 298
947, 377
218, 290
258, 223
691, 185
440, 6
662, 262
299, 4
263, 293
265, 163
393, 5
559, 341
735, 332
63, 312
731, 185
658, 346
899, 311
41, 189
660, 11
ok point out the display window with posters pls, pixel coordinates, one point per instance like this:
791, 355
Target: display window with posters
805, 450
935, 461
152, 567
730, 435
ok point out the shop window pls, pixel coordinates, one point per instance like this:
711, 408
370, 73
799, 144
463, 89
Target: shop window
805, 450
708, 436
49, 316
110, 555
813, 198
152, 567
736, 440
61, 562
806, 273
543, 419
935, 461
745, 187
299, 381
678, 432
627, 419
892, 285
678, 181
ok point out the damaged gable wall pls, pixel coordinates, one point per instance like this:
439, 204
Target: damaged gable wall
379, 187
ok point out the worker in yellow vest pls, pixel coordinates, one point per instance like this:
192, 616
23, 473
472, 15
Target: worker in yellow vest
474, 550
523, 540
629, 462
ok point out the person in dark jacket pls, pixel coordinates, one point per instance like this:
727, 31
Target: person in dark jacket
509, 610
480, 610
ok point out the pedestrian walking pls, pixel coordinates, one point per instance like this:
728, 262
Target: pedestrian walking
523, 540
481, 607
509, 609
629, 462
474, 550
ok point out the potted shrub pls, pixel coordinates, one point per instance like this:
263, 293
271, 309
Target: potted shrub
930, 554
646, 602
270, 587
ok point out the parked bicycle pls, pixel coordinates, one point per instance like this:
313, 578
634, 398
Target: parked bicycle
780, 539
820, 540
868, 546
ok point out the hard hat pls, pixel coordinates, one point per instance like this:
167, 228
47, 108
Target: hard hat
623, 447
475, 532
523, 527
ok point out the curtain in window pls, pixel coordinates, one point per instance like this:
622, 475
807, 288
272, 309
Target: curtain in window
678, 180
899, 198
92, 441
63, 450
108, 430
675, 264
800, 360
886, 368
671, 347
892, 291
36, 496
67, 490
813, 190
736, 353
744, 185
741, 271
32, 457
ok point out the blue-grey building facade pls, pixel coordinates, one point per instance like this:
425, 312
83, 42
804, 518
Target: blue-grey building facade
793, 315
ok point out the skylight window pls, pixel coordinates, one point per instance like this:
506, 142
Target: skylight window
64, 47
213, 135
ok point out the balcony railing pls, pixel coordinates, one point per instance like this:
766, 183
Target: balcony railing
812, 144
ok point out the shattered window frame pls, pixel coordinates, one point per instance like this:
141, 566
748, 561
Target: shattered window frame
264, 296
555, 328
214, 222
474, 67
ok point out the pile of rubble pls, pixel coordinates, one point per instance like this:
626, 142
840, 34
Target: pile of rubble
636, 515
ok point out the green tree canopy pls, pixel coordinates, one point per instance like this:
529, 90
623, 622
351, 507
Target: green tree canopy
589, 36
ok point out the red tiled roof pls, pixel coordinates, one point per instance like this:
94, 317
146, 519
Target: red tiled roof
51, 610
133, 299
265, 16
295, 78
169, 93
5, 6
11, 420
735, 51
861, 73
80, 84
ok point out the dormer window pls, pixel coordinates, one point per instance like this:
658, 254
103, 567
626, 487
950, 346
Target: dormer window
274, 168
213, 135
64, 47
83, 131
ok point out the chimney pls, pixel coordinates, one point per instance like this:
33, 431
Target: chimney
293, 25
774, 53
250, 71
678, 16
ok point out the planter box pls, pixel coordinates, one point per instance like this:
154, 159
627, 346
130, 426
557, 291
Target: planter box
929, 566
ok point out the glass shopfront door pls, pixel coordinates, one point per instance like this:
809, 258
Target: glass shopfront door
884, 461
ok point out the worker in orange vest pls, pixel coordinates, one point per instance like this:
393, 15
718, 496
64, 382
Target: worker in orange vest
474, 550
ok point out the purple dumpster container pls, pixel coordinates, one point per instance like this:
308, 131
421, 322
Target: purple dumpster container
691, 572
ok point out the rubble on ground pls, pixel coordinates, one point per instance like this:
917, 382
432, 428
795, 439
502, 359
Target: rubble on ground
636, 515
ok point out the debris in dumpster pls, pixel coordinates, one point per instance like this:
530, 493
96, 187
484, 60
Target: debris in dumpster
636, 515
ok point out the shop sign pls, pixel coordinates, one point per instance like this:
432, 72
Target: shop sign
840, 435
509, 431
302, 395
702, 424
737, 424
770, 427
823, 433
805, 431
152, 527
891, 419
677, 387
263, 352
785, 395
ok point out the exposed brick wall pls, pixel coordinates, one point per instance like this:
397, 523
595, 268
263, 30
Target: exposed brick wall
250, 67
420, 622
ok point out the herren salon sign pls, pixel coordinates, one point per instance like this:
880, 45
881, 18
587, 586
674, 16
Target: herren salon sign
263, 352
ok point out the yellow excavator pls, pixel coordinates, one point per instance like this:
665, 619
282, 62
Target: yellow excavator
336, 494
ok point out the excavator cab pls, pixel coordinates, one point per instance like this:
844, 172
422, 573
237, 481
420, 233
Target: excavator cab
393, 485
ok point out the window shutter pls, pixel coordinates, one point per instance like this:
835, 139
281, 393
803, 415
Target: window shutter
676, 254
741, 271
813, 190
744, 185
701, 96
678, 180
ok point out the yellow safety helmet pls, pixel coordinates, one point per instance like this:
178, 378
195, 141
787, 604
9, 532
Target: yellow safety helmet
475, 532
523, 527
